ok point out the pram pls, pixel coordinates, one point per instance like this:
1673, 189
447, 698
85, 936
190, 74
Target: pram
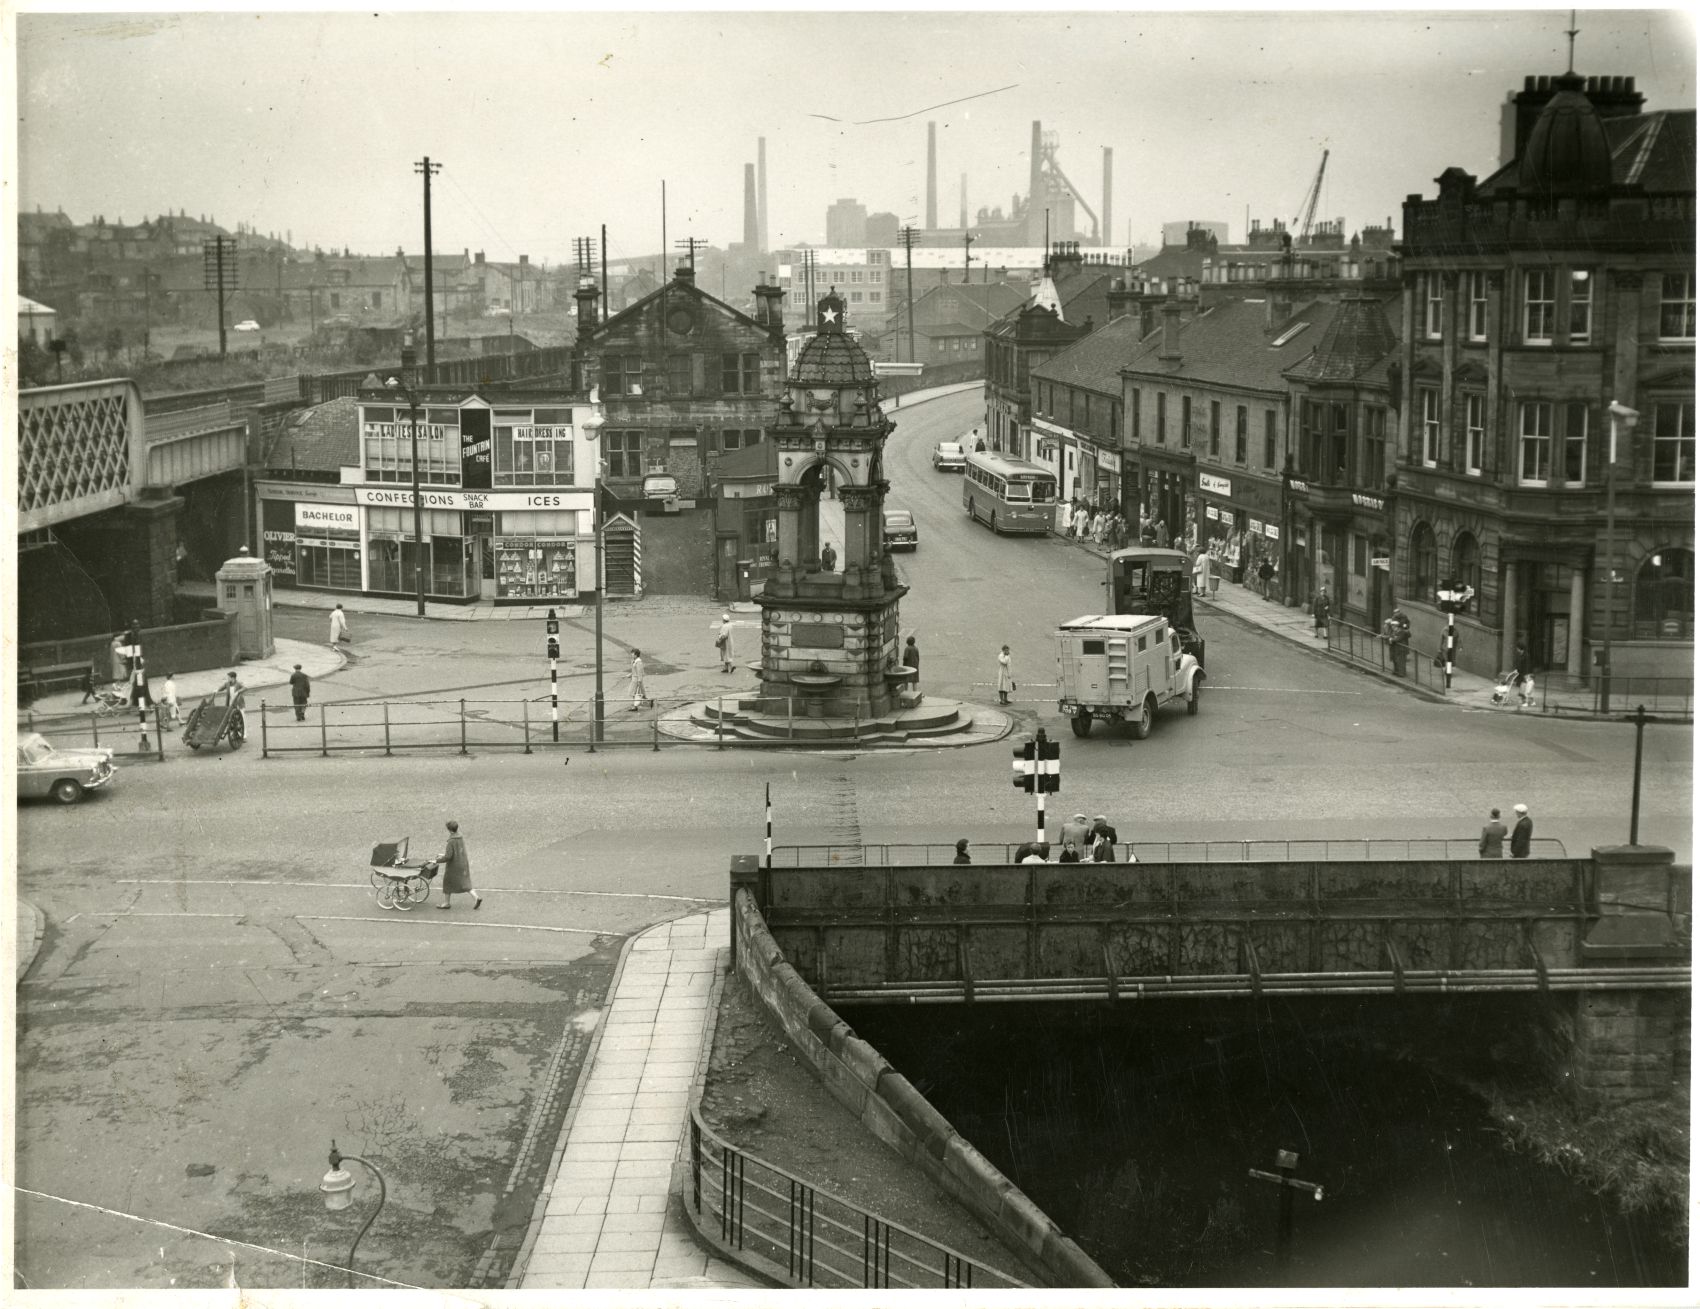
400, 882
1509, 686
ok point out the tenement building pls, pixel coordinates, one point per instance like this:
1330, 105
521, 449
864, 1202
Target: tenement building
1536, 299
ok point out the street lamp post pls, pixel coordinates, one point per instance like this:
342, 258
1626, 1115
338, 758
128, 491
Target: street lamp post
593, 432
1628, 417
338, 1189
396, 384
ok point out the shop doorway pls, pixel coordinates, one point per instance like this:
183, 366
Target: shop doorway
480, 528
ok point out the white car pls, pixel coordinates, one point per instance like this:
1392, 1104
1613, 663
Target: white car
948, 457
66, 775
247, 325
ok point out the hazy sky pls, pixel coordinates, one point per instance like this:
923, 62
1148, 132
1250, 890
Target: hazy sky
551, 123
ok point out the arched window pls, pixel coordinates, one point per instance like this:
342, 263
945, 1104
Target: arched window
1424, 565
1467, 561
1664, 596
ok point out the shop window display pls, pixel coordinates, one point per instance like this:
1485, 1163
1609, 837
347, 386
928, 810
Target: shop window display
536, 567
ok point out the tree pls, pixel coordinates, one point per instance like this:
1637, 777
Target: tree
114, 342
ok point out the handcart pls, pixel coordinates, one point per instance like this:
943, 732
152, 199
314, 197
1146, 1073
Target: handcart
400, 882
211, 722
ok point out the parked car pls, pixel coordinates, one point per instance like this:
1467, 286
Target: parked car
63, 774
948, 457
247, 325
900, 533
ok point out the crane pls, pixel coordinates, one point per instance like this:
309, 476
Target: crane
1303, 224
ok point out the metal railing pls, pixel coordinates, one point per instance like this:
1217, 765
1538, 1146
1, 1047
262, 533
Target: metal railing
809, 1236
118, 730
1157, 852
1371, 650
1559, 693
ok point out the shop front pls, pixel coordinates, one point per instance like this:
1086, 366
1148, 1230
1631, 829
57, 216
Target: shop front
1163, 495
1234, 517
1344, 539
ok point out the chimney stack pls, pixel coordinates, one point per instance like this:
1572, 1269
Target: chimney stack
587, 295
1171, 349
761, 192
932, 176
770, 301
751, 231
1035, 200
1107, 233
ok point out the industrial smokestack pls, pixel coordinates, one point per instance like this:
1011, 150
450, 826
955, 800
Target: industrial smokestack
1035, 197
964, 223
932, 176
750, 231
1106, 228
761, 192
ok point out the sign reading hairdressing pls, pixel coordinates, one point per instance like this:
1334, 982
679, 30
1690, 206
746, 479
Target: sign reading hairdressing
1215, 485
326, 520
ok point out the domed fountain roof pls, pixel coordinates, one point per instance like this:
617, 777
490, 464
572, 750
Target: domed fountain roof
831, 357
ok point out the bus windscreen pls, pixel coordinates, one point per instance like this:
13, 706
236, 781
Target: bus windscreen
1034, 490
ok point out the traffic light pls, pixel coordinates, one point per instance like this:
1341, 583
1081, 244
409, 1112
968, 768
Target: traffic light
1049, 765
1038, 766
1023, 765
551, 625
554, 647
1454, 597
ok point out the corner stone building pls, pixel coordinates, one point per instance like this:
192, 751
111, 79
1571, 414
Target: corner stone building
1534, 299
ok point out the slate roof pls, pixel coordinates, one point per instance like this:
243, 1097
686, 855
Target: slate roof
1095, 361
758, 462
831, 359
675, 286
1654, 151
322, 438
1176, 261
1358, 339
1228, 345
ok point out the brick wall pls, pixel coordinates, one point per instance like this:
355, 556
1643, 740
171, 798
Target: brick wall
180, 647
678, 553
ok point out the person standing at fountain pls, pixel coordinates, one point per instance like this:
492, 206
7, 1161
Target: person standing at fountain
912, 661
723, 643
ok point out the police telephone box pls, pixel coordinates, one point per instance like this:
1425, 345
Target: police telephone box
245, 589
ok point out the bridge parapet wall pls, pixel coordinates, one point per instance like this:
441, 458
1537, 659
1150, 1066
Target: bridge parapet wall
1617, 924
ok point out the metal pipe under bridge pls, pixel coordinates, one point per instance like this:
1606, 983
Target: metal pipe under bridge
859, 929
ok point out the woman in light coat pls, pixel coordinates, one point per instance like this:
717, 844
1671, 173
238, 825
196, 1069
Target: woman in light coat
1006, 678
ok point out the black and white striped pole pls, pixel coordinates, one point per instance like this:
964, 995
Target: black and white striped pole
137, 693
1454, 598
1038, 768
552, 647
768, 790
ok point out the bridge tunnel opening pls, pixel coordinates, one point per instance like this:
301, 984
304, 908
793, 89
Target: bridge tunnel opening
1134, 1127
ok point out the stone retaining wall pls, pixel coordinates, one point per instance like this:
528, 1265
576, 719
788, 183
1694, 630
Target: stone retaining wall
859, 1077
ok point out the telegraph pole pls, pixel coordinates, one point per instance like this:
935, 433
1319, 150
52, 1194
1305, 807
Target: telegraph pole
690, 245
967, 259
217, 278
907, 236
1285, 1162
427, 169
606, 307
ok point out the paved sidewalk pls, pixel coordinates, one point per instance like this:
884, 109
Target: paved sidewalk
30, 927
1469, 690
608, 1219
316, 661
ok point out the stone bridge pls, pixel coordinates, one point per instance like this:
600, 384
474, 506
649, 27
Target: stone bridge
1611, 933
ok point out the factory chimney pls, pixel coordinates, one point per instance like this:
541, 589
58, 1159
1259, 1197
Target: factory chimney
1106, 228
932, 176
1035, 195
750, 231
761, 192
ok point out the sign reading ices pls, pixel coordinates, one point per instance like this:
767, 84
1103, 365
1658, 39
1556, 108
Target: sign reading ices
317, 519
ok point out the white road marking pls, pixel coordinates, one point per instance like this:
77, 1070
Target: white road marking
355, 918
1212, 687
345, 886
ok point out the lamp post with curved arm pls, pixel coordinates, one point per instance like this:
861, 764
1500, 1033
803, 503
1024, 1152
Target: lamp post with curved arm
338, 1189
592, 427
